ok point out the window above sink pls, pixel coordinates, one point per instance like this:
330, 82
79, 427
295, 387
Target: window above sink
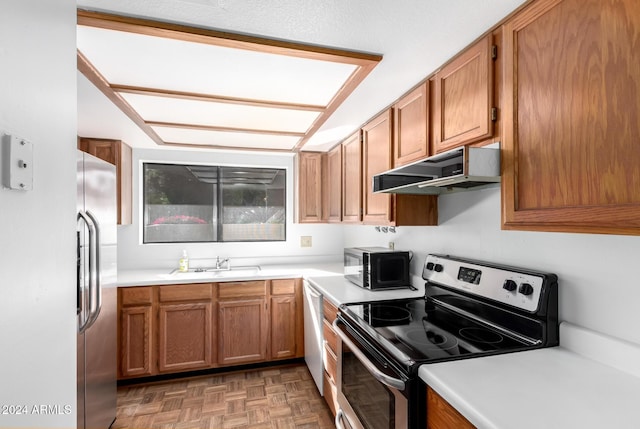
209, 203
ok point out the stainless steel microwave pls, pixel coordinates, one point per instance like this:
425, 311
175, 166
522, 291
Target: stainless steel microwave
377, 268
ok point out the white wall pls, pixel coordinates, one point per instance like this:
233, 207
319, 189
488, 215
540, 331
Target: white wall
599, 287
37, 239
132, 254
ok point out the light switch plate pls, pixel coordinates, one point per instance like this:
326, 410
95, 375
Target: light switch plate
305, 241
17, 163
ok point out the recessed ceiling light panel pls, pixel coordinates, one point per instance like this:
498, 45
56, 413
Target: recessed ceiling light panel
169, 78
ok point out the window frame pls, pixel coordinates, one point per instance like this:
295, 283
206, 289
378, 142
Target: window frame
217, 197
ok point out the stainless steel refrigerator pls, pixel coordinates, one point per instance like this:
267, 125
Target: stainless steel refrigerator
96, 283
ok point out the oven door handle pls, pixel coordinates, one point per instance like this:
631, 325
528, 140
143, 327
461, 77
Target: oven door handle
383, 378
340, 417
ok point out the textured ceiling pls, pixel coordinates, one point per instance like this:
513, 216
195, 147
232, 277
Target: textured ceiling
415, 37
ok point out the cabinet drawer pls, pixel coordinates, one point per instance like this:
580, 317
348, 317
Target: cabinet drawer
329, 310
242, 289
330, 363
330, 337
136, 295
283, 287
187, 292
330, 393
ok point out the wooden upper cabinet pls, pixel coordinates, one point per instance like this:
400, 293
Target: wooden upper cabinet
352, 179
376, 158
571, 154
464, 98
334, 184
374, 155
411, 126
311, 167
119, 154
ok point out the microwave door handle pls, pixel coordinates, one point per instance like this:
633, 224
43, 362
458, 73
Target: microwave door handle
96, 273
84, 324
383, 378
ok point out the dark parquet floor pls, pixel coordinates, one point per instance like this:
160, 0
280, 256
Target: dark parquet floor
274, 397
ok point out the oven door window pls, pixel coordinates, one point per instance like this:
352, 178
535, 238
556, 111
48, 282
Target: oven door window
373, 402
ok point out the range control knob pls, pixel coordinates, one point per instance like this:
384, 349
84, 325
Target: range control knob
525, 289
438, 268
509, 285
429, 266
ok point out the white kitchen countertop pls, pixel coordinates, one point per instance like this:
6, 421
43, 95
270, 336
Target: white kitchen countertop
326, 278
590, 381
339, 290
158, 276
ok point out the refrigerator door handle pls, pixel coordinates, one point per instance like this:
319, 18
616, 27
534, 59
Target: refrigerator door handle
79, 303
96, 269
84, 324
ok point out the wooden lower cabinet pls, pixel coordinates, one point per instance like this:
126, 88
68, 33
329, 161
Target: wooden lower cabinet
283, 313
184, 327
243, 331
242, 322
136, 358
173, 328
330, 393
135, 333
184, 340
330, 353
287, 330
441, 415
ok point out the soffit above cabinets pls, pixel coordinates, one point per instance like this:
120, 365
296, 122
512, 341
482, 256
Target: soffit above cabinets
189, 86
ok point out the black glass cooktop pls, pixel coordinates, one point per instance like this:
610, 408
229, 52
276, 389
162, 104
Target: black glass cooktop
420, 330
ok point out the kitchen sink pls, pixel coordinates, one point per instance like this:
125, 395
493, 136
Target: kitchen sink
239, 271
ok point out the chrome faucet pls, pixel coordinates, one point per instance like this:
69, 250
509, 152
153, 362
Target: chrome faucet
219, 263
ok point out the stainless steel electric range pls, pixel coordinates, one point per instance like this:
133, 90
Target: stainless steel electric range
470, 309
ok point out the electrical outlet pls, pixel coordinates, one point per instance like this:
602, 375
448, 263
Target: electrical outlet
305, 241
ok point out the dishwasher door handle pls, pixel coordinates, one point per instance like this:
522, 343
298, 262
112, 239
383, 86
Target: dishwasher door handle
312, 292
383, 378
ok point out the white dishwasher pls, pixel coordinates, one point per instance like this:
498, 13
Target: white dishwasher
313, 333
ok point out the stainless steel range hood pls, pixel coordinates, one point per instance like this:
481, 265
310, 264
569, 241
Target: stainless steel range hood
456, 170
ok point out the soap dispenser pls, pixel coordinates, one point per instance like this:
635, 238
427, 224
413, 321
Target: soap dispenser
183, 265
